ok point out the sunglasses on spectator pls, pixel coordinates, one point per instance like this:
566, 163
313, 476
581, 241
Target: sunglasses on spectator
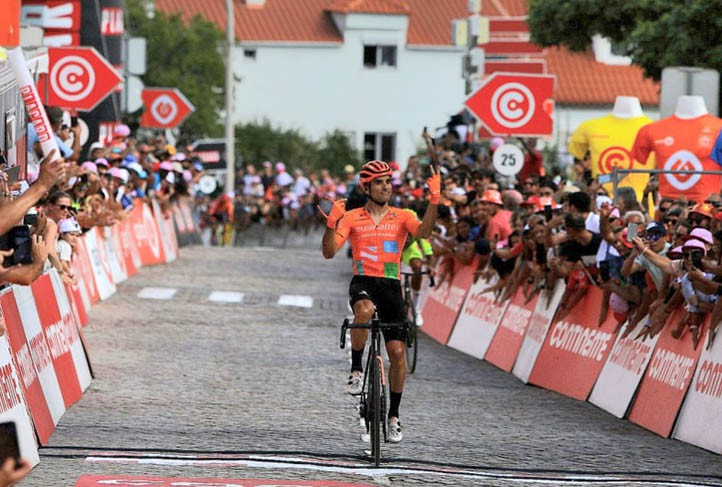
673, 221
652, 236
716, 204
65, 207
602, 193
529, 183
546, 193
698, 218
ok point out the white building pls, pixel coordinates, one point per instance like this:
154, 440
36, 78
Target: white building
379, 70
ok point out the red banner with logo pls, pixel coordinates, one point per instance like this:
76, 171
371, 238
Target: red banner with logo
575, 349
60, 333
28, 374
84, 272
147, 234
666, 380
509, 336
445, 300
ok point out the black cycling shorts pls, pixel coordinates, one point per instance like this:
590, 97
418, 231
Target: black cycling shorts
386, 296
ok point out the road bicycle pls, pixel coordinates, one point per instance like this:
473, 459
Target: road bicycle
412, 344
372, 401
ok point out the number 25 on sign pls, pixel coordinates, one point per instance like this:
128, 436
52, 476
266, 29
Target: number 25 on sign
508, 160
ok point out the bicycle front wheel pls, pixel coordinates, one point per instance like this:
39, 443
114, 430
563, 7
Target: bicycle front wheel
375, 396
412, 344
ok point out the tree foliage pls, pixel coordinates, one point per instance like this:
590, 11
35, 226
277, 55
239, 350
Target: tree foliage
654, 33
187, 56
258, 142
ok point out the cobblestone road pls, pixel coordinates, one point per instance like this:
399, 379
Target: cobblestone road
186, 387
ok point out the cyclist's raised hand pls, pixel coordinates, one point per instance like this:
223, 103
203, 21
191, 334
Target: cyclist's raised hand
434, 183
338, 209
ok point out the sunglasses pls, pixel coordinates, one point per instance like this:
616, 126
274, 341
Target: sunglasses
673, 221
716, 204
652, 237
698, 218
602, 193
529, 183
546, 193
65, 207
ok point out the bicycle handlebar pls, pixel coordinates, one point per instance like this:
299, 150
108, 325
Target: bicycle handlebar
428, 273
374, 323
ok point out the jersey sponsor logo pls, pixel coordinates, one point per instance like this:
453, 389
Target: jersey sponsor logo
612, 157
391, 269
683, 160
668, 141
370, 253
391, 247
705, 141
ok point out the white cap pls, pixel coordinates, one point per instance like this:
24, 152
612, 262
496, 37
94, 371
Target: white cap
96, 145
69, 225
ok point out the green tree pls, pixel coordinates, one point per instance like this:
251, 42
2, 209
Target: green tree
187, 56
654, 33
258, 142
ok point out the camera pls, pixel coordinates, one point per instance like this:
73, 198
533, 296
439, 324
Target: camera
696, 256
548, 215
18, 239
604, 270
9, 446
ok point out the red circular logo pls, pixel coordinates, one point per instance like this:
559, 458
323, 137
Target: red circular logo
612, 157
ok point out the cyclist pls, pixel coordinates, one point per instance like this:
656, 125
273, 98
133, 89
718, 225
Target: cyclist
377, 233
416, 253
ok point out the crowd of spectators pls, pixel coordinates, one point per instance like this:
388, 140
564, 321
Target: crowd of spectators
61, 196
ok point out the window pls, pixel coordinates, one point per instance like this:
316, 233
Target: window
375, 56
249, 54
379, 146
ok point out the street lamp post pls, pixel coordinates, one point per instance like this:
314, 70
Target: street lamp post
230, 136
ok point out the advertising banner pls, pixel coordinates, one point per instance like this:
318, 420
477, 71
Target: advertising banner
507, 341
99, 264
444, 301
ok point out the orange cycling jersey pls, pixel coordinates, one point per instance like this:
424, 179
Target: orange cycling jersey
376, 248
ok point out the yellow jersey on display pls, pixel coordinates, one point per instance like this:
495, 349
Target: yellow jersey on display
609, 140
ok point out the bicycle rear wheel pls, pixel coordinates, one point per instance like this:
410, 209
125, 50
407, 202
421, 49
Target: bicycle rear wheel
412, 344
376, 410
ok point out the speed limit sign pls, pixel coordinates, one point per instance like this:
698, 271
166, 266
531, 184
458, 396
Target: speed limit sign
507, 160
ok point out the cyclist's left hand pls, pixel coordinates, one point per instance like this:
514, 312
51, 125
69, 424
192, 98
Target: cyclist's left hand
434, 183
337, 211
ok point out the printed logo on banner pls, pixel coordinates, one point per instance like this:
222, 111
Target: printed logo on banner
666, 380
479, 318
622, 372
28, 374
111, 21
151, 231
509, 336
575, 349
442, 306
539, 323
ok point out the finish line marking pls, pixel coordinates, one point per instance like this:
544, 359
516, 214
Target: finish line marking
157, 293
294, 300
363, 469
226, 297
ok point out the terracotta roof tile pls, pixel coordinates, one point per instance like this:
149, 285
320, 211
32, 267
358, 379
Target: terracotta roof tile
309, 20
583, 81
389, 7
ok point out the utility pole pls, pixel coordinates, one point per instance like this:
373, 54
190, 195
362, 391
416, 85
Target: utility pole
230, 108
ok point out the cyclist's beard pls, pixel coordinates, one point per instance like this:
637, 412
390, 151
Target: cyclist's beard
380, 203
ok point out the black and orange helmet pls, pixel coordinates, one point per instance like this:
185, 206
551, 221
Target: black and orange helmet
372, 170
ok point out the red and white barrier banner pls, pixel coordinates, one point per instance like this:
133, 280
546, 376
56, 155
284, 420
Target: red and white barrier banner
26, 370
41, 360
113, 254
541, 318
666, 380
623, 371
700, 421
99, 264
124, 243
185, 209
60, 333
143, 480
71, 335
178, 218
76, 305
444, 302
479, 318
507, 341
84, 272
13, 406
167, 233
147, 235
575, 349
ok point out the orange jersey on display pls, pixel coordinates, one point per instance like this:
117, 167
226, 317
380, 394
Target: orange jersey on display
376, 248
609, 140
682, 144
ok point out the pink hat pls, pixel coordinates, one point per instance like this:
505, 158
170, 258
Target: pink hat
694, 244
614, 213
675, 253
280, 167
618, 303
89, 167
115, 172
102, 161
187, 176
702, 234
496, 142
166, 166
121, 130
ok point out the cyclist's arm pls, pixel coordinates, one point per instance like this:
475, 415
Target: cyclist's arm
333, 239
427, 224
